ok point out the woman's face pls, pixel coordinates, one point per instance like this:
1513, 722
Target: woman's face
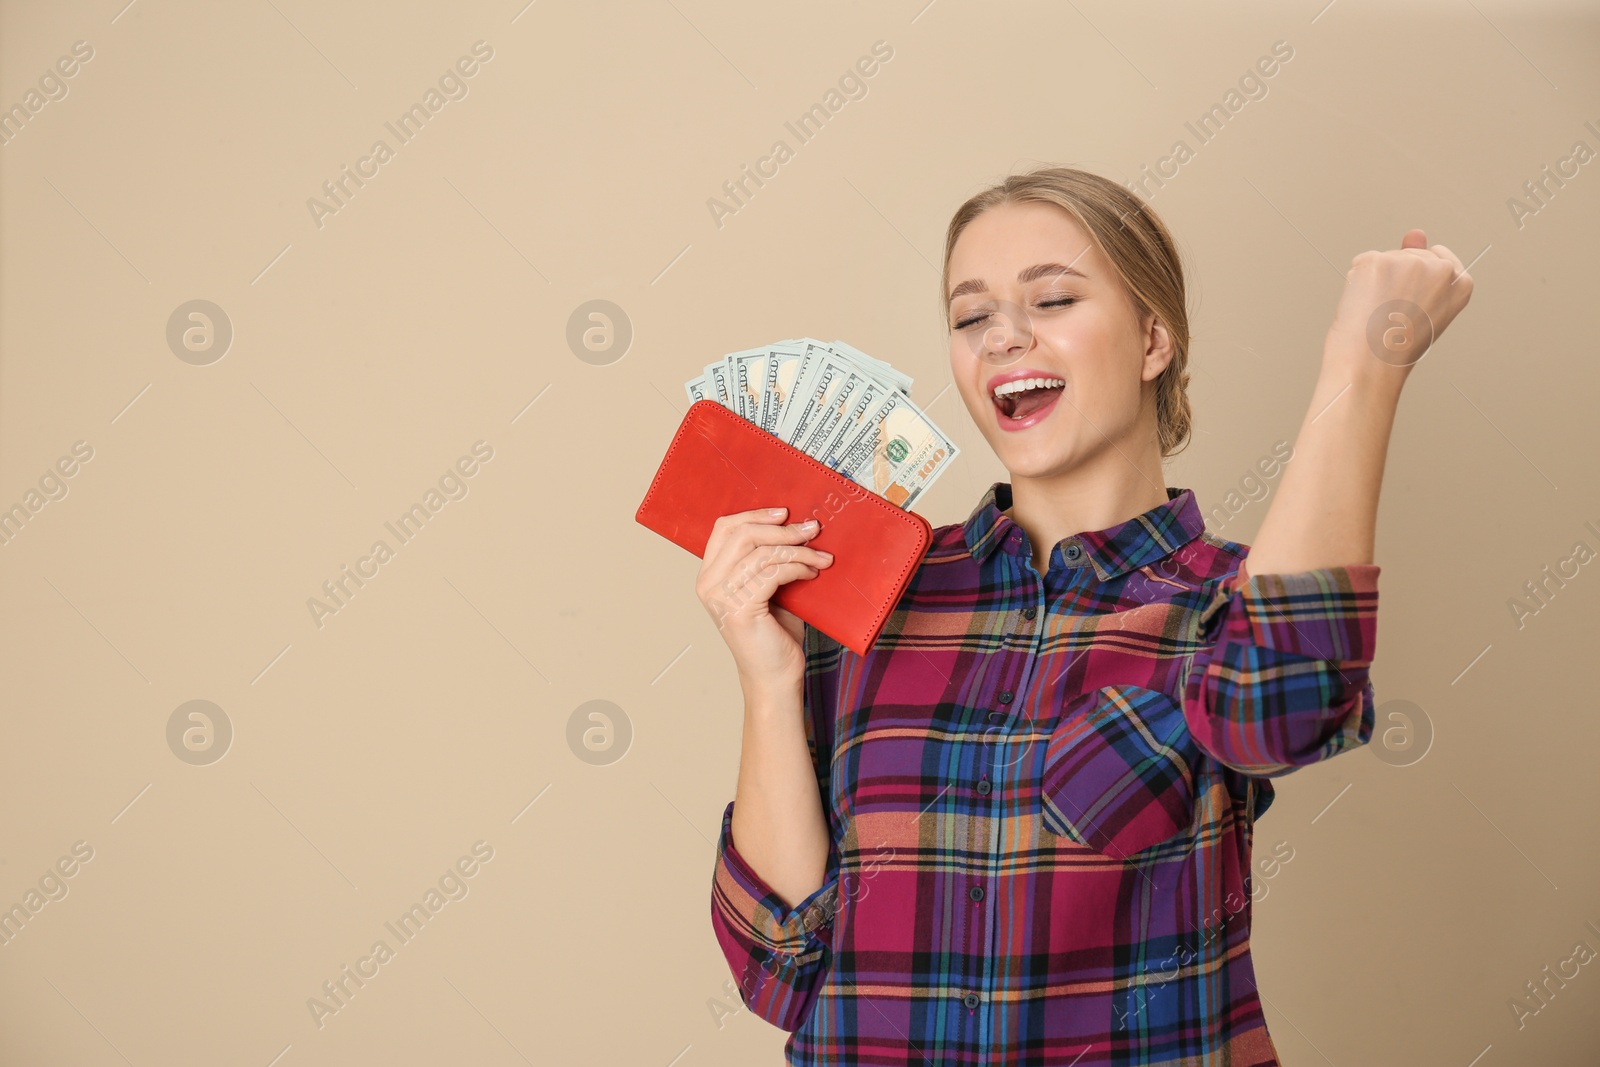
1019, 315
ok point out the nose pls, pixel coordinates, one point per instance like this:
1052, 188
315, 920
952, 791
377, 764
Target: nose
1005, 336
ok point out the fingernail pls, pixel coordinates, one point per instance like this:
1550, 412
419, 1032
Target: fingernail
824, 554
808, 524
776, 511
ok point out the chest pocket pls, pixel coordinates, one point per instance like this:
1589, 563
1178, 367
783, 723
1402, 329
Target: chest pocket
1119, 770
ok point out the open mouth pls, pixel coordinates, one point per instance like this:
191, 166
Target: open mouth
1018, 400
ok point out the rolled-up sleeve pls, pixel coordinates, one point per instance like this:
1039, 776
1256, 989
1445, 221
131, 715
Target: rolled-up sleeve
779, 954
1281, 678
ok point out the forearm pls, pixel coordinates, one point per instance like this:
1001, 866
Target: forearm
1326, 510
778, 822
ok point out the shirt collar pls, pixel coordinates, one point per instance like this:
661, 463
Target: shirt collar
1114, 551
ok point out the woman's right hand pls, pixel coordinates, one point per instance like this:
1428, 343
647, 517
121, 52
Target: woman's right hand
748, 555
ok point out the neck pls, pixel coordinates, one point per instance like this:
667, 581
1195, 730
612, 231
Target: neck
1101, 494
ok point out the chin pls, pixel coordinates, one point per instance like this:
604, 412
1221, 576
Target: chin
1036, 460
1038, 471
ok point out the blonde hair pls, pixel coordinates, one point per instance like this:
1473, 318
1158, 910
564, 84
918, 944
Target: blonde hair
1135, 241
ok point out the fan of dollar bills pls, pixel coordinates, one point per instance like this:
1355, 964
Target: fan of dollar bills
838, 405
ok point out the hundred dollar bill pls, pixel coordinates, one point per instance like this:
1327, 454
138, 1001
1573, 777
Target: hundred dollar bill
795, 362
825, 403
823, 376
716, 383
747, 371
810, 389
899, 452
855, 407
827, 382
783, 364
874, 366
837, 404
732, 382
824, 368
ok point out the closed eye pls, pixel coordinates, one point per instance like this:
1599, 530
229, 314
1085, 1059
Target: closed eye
1062, 302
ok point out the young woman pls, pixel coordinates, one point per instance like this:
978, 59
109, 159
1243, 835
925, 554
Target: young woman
1019, 829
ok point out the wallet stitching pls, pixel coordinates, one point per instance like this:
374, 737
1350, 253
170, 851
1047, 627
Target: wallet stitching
911, 518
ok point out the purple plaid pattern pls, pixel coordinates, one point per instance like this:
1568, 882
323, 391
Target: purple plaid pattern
1119, 771
1042, 792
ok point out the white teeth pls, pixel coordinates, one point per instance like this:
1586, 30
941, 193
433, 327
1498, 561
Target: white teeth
1022, 384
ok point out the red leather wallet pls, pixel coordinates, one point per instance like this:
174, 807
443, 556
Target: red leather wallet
719, 463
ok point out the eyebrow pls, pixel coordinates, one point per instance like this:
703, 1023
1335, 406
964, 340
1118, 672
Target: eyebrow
1038, 270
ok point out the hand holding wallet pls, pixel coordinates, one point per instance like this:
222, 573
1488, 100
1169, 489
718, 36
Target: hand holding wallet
719, 464
829, 433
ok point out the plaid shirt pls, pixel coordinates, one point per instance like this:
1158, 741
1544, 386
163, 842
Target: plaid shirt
1041, 795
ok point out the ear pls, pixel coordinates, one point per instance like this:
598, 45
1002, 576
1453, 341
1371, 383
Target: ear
1158, 350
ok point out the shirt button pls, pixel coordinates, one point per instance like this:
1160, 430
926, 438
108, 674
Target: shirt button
1005, 696
1028, 613
976, 892
984, 787
1073, 552
970, 1000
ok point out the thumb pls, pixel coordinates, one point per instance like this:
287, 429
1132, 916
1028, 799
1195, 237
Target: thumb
1414, 238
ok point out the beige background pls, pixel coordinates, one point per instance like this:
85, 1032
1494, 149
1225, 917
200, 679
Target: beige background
428, 314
